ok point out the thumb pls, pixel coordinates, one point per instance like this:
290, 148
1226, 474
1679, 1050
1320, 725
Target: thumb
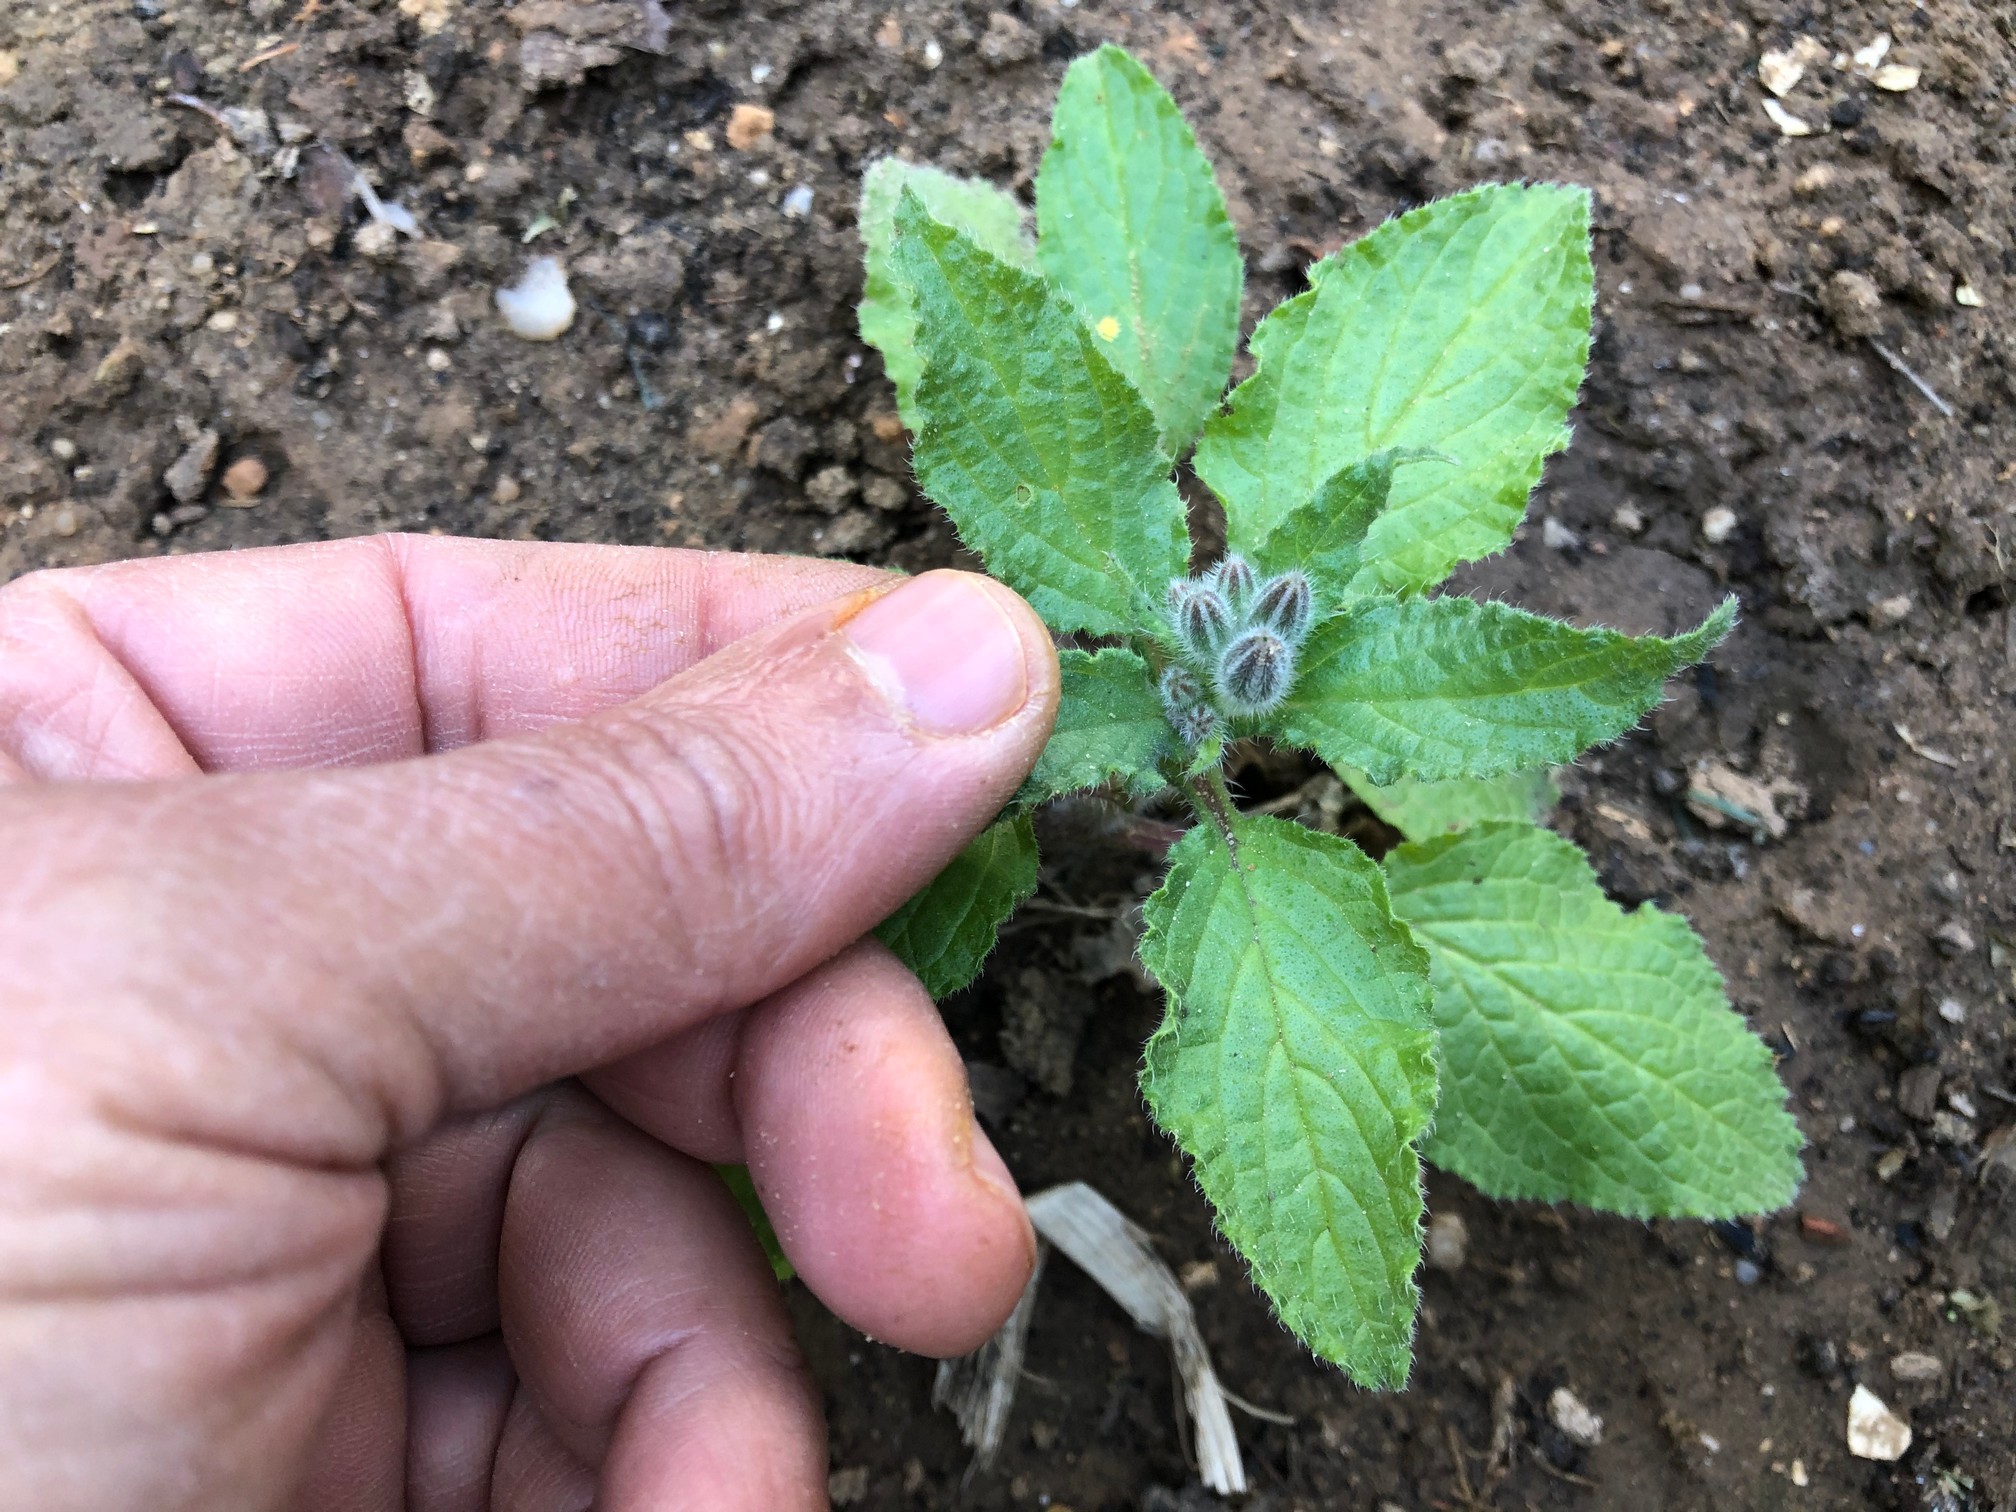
382, 945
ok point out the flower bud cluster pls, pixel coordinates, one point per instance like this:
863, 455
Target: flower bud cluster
1242, 634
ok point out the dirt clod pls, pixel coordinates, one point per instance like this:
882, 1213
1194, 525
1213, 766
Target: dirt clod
189, 476
749, 124
1854, 303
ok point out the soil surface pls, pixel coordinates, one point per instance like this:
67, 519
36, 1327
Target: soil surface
179, 294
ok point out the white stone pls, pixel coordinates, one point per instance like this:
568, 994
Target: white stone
540, 306
1718, 524
1574, 1419
1874, 1431
1448, 1242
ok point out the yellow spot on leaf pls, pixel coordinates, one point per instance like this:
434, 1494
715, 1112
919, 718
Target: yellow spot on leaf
1108, 329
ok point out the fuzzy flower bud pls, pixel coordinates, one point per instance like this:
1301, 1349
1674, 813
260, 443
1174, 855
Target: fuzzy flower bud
1204, 622
1285, 606
1255, 671
1233, 578
1188, 709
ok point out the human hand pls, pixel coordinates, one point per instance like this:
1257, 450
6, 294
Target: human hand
355, 1106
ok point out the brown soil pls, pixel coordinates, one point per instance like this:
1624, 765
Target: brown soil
157, 282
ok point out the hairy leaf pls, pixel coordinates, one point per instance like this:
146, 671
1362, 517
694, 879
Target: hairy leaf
1587, 1054
1462, 325
1297, 1066
1043, 455
1109, 724
945, 932
1325, 536
1449, 687
987, 214
1424, 810
1133, 228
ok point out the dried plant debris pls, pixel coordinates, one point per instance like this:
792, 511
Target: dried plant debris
980, 1389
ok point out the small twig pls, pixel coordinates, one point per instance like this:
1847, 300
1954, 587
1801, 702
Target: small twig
1254, 1409
1075, 910
34, 274
1458, 1450
1559, 1474
268, 56
1903, 369
203, 108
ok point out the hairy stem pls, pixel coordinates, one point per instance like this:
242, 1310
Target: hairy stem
1212, 802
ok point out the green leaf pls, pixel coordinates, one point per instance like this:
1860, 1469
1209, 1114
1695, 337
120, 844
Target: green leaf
1587, 1054
1464, 326
1109, 724
1042, 454
1297, 1066
1424, 810
945, 932
1133, 228
1325, 536
1448, 687
987, 214
736, 1178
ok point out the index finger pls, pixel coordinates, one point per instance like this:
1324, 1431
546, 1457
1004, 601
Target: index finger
368, 649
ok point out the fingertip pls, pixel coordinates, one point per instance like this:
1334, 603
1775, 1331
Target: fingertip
891, 1202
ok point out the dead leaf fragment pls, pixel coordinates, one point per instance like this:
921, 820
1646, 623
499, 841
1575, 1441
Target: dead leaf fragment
749, 124
1780, 70
1787, 123
1868, 59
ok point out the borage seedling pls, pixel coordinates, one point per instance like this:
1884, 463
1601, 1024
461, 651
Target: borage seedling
1477, 999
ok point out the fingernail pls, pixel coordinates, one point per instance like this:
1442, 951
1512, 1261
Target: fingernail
946, 650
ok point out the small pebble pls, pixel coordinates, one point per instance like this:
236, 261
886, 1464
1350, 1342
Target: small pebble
63, 449
245, 480
1718, 525
540, 306
1890, 611
1954, 938
507, 490
1558, 537
1626, 520
1913, 1365
1448, 1242
1574, 1419
377, 241
1748, 1273
1198, 1275
1874, 1431
1953, 1010
224, 322
438, 361
798, 203
64, 521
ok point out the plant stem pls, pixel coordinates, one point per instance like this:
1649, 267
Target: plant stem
1211, 801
